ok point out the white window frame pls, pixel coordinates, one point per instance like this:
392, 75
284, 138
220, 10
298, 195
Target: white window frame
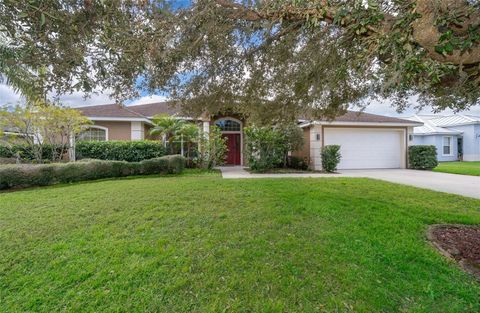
451, 146
99, 127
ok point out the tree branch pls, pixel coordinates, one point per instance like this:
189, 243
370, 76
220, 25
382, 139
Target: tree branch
426, 33
425, 30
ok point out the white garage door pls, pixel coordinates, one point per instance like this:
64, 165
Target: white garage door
363, 148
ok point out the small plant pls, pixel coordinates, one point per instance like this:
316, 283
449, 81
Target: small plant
212, 149
330, 158
297, 163
422, 157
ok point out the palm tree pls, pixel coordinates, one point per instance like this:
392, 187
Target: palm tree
189, 135
168, 127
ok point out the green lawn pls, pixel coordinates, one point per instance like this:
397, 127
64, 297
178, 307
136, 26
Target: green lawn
198, 243
464, 168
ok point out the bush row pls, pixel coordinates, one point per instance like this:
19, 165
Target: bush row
25, 152
131, 151
422, 157
26, 175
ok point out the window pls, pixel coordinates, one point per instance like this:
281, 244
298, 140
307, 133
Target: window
228, 125
93, 134
447, 145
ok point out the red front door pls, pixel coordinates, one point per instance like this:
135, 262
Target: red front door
234, 149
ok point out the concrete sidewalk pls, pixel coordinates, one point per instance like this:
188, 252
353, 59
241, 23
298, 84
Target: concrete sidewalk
462, 185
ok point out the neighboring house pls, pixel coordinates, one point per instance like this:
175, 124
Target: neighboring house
366, 140
457, 136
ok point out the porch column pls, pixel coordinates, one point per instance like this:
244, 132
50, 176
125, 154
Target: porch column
206, 127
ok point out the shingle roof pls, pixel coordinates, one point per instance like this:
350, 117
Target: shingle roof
362, 117
109, 110
151, 109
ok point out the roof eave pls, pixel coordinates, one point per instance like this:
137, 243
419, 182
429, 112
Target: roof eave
340, 123
120, 119
438, 133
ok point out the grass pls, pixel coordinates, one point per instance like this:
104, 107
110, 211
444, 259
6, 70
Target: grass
463, 168
198, 243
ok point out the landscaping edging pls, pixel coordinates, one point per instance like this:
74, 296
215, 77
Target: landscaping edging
460, 243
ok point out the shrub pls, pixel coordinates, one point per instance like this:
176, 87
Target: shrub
265, 148
5, 152
130, 151
330, 158
26, 175
176, 164
422, 157
25, 152
212, 149
7, 160
297, 163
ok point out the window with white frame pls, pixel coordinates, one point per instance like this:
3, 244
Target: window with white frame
228, 125
447, 145
93, 134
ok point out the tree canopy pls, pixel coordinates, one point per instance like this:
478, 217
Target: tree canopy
272, 57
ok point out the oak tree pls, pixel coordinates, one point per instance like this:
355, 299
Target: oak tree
272, 58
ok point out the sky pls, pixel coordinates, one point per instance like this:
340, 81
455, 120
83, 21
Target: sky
8, 96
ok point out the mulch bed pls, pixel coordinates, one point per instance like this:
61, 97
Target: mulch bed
458, 242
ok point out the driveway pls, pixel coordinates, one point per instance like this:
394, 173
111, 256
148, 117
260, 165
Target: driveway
463, 185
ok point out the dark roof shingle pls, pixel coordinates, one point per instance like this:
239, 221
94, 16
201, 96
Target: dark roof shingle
151, 109
109, 110
362, 117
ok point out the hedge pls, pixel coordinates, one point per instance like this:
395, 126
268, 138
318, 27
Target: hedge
131, 151
422, 157
28, 175
26, 152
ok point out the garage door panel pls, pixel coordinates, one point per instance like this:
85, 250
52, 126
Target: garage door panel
367, 148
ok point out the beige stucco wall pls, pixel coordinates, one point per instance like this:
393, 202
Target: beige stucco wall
116, 130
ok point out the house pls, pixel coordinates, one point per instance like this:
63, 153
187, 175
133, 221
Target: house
456, 136
366, 140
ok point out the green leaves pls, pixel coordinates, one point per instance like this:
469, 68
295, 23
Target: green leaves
42, 19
